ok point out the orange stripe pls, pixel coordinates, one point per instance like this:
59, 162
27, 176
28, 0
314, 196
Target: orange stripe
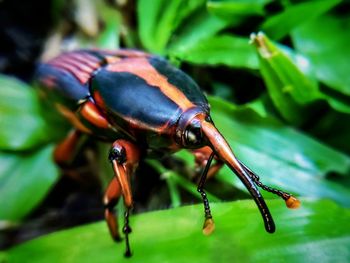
139, 125
141, 68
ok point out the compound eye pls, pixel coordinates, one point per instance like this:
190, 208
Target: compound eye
193, 135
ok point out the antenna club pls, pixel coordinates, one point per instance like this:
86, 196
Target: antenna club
208, 226
292, 202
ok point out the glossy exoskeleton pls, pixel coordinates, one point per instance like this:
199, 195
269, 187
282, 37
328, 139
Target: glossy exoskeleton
145, 107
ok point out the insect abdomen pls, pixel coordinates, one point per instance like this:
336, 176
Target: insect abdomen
70, 73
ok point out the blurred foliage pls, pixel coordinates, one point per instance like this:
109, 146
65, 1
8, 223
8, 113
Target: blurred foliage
19, 191
174, 236
278, 75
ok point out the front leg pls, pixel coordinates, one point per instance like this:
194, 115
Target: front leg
124, 157
110, 200
65, 151
201, 157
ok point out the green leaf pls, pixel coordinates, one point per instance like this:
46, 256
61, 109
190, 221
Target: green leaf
233, 10
287, 86
25, 179
202, 26
284, 157
186, 10
165, 24
318, 231
3, 256
328, 49
109, 37
158, 21
147, 21
22, 125
282, 23
228, 50
341, 105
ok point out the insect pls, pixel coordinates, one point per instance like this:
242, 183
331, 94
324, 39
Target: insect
145, 107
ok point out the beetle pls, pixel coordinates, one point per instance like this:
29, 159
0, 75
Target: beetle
144, 106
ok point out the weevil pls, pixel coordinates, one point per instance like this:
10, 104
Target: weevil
144, 106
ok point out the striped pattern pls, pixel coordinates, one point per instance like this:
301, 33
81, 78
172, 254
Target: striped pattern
83, 63
147, 72
142, 95
80, 64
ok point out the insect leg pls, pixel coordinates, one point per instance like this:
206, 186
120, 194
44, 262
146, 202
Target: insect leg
208, 226
125, 157
201, 156
110, 200
66, 150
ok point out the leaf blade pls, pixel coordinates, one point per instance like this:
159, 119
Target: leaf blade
175, 235
25, 179
20, 107
228, 50
281, 24
329, 58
